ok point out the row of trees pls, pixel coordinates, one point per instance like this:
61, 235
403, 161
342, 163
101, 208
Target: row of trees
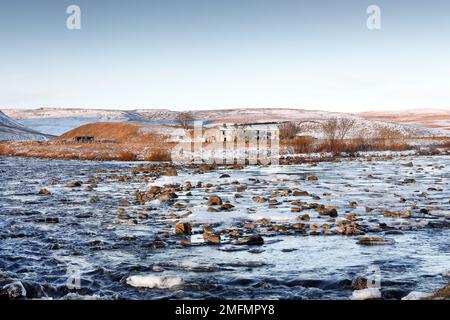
336, 137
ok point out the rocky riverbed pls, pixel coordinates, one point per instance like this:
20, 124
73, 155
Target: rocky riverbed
83, 229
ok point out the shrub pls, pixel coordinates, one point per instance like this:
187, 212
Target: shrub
288, 130
126, 156
159, 155
303, 144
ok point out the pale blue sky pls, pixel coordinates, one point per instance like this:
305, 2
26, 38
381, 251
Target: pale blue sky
207, 54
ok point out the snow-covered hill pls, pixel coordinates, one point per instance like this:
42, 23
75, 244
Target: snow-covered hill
12, 130
57, 121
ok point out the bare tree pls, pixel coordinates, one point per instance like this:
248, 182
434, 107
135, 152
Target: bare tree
336, 130
330, 130
185, 120
288, 130
344, 126
389, 137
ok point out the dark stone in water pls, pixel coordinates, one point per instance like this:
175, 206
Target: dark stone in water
84, 215
252, 240
393, 294
34, 290
73, 184
13, 290
393, 232
48, 220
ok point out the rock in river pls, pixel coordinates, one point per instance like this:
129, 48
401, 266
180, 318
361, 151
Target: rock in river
328, 211
44, 192
300, 193
373, 241
183, 228
167, 196
259, 199
211, 237
365, 294
73, 184
13, 290
252, 240
214, 201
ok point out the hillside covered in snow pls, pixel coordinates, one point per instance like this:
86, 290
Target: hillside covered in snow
13, 130
56, 121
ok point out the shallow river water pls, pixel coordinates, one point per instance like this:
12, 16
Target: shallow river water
48, 242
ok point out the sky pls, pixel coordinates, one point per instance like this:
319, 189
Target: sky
215, 54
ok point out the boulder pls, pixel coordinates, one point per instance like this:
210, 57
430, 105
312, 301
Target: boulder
304, 217
406, 214
259, 199
373, 241
167, 196
366, 294
44, 192
328, 211
251, 240
211, 237
73, 184
227, 206
214, 201
298, 193
183, 228
13, 290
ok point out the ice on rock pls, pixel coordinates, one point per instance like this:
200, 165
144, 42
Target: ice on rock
416, 295
365, 294
15, 290
159, 282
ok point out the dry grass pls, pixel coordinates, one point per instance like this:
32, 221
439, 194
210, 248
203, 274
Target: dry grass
110, 131
302, 144
159, 155
127, 156
309, 145
113, 141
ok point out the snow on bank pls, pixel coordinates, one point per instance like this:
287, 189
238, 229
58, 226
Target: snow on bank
154, 282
